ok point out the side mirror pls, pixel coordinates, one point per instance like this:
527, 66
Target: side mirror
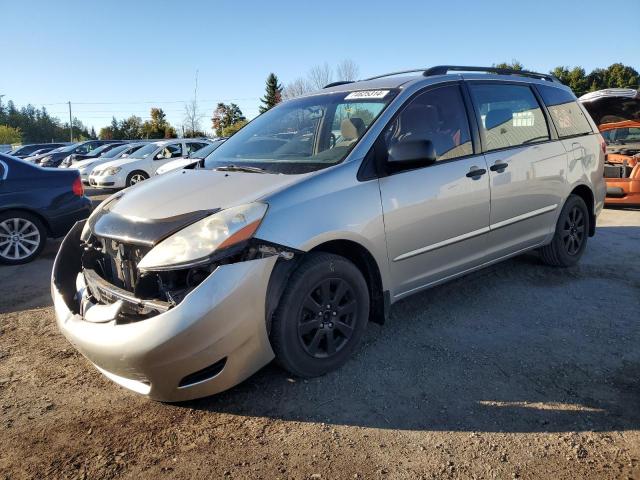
412, 153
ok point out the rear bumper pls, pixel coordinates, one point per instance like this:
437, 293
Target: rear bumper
622, 191
62, 223
215, 338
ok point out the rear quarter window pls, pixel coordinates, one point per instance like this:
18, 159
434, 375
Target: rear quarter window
565, 112
509, 115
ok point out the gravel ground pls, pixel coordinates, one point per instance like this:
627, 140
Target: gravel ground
518, 371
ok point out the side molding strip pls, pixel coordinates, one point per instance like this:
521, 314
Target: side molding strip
475, 233
524, 216
441, 244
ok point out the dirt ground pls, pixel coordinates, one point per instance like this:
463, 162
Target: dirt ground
518, 371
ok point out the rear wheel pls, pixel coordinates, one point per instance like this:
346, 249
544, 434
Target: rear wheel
321, 317
570, 239
22, 237
136, 176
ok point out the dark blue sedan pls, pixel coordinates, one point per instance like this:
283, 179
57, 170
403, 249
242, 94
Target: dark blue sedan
36, 203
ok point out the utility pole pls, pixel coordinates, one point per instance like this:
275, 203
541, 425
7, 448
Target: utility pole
70, 124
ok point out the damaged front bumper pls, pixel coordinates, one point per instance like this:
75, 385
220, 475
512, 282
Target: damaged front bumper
212, 340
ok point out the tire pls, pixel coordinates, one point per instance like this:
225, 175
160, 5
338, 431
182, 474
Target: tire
136, 176
570, 239
309, 338
22, 237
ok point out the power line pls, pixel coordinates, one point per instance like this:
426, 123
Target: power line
239, 99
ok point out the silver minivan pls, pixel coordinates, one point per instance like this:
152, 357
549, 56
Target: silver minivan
317, 216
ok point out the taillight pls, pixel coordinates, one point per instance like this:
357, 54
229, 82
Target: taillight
603, 144
77, 187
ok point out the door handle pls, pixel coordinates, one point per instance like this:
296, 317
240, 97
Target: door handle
499, 167
476, 172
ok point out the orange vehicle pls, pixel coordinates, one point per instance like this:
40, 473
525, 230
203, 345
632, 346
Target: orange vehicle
616, 111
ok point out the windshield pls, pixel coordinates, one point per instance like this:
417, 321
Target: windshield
145, 151
622, 136
303, 134
115, 151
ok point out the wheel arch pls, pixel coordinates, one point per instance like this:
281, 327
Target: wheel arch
30, 211
584, 192
356, 253
366, 263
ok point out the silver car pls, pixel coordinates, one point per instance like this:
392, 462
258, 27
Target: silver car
317, 216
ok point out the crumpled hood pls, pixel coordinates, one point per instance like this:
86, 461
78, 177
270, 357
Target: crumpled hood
185, 191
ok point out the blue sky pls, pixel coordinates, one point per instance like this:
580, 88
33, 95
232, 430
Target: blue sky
120, 58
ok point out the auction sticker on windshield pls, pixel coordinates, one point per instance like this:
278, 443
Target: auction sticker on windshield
367, 94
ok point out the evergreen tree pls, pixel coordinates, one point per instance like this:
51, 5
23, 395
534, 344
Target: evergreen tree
273, 95
224, 116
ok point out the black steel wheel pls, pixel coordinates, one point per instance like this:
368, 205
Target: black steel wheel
570, 238
326, 318
321, 317
573, 231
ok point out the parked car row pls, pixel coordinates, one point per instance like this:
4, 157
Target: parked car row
113, 164
143, 163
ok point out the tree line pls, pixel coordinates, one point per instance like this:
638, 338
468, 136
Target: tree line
31, 124
133, 128
616, 75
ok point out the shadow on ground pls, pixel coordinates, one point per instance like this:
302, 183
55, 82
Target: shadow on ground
518, 347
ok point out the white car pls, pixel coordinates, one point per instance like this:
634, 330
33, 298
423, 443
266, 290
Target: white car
195, 157
86, 166
142, 164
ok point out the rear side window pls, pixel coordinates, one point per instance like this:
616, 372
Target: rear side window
565, 112
509, 115
439, 116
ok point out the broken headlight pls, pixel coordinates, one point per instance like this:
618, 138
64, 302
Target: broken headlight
194, 245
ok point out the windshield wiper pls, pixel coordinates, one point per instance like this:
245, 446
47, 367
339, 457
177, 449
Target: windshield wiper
240, 168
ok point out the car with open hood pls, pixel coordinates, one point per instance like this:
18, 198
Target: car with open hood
616, 111
142, 164
317, 216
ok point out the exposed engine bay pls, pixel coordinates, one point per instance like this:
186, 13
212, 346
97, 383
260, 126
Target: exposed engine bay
111, 274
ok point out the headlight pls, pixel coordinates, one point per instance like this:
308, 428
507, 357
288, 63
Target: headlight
44, 159
194, 244
112, 170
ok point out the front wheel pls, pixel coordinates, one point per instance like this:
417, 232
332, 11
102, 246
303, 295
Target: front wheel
321, 317
570, 239
136, 177
22, 237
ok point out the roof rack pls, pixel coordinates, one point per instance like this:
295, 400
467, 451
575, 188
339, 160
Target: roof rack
444, 69
395, 73
335, 84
